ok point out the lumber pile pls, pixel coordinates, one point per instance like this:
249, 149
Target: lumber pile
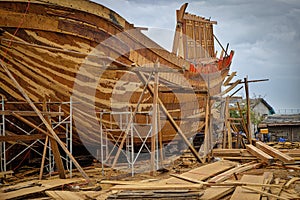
270, 175
261, 152
222, 179
29, 188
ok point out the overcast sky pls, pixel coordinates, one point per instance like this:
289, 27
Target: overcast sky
263, 34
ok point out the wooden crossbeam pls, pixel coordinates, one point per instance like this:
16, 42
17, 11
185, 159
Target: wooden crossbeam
30, 113
21, 137
274, 152
259, 154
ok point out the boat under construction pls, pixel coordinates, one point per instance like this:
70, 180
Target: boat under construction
113, 74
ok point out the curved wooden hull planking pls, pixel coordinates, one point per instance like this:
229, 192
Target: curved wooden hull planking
60, 48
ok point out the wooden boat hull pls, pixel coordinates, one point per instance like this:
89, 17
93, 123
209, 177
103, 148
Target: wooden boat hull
80, 49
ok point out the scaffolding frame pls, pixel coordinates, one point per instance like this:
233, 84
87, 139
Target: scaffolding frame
132, 153
63, 120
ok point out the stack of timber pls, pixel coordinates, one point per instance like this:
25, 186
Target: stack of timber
86, 51
219, 180
260, 151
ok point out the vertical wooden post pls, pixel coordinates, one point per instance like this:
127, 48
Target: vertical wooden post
248, 111
227, 123
243, 120
154, 120
43, 158
207, 135
55, 150
160, 138
172, 121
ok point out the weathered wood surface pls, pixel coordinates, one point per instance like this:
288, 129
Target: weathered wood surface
260, 154
41, 186
204, 172
60, 38
239, 169
217, 192
274, 152
244, 194
158, 187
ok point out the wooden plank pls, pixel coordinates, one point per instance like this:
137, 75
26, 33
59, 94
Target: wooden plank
21, 137
158, 187
229, 78
274, 152
265, 193
215, 193
229, 173
204, 172
230, 153
30, 113
260, 154
62, 195
291, 181
268, 178
45, 185
244, 194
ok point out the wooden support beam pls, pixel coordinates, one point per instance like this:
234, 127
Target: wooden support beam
53, 134
229, 78
251, 81
177, 128
43, 158
274, 152
54, 148
29, 123
15, 138
260, 154
242, 117
227, 123
30, 113
248, 111
207, 134
154, 121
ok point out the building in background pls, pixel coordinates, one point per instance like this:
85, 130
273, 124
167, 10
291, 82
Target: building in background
286, 127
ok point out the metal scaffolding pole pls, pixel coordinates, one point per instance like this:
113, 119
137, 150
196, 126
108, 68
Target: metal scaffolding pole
132, 152
66, 122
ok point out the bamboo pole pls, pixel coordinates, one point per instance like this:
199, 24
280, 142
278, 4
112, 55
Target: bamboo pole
62, 145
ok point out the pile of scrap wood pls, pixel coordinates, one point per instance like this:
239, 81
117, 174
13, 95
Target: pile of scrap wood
262, 172
221, 179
